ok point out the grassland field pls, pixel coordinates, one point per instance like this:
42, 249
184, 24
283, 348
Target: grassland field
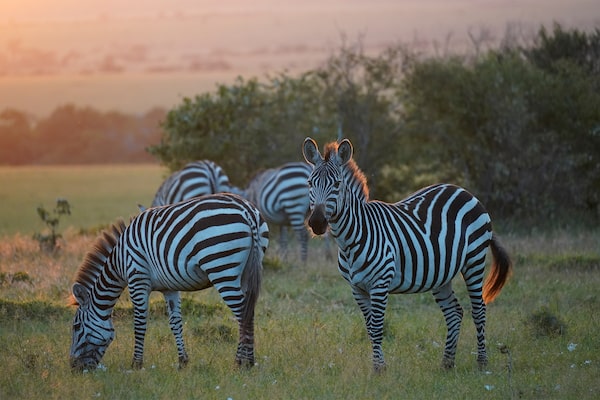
542, 331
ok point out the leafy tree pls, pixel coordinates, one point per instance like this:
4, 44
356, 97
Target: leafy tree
15, 137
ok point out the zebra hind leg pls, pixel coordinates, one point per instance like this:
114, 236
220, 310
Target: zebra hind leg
173, 300
473, 278
453, 313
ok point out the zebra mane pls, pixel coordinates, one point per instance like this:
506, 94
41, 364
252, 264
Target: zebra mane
355, 178
95, 260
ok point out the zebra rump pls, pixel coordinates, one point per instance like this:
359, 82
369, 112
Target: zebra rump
215, 240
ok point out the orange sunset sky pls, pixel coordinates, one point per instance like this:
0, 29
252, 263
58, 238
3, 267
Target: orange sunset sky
134, 55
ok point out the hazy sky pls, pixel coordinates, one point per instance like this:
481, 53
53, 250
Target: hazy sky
137, 53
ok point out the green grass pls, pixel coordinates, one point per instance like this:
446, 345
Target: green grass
310, 337
97, 194
311, 341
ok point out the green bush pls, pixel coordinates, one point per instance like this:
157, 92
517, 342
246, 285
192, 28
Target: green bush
517, 125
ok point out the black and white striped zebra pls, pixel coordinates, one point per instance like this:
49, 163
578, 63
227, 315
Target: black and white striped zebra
195, 179
416, 245
281, 195
216, 240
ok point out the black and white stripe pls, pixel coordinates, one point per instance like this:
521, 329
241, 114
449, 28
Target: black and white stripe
216, 240
416, 245
281, 195
197, 178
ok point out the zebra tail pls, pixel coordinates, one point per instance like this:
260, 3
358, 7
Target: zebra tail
252, 278
501, 271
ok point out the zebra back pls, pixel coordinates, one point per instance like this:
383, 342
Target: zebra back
197, 178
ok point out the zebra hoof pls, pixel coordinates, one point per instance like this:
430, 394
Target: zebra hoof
137, 364
482, 364
447, 364
379, 368
244, 363
183, 361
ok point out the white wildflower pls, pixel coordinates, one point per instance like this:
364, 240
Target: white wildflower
217, 387
489, 387
571, 346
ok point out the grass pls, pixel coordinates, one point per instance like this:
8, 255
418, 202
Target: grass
98, 194
311, 340
310, 337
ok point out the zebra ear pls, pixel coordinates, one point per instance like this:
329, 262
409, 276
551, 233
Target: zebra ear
345, 151
311, 151
81, 294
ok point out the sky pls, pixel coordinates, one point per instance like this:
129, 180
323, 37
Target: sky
136, 53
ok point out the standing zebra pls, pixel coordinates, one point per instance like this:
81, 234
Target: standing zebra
281, 195
217, 240
416, 245
195, 179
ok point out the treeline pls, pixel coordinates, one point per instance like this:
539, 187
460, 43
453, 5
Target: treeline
517, 123
78, 135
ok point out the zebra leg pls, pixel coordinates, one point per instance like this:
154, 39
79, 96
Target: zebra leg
244, 356
453, 314
237, 301
473, 278
303, 238
140, 294
373, 307
283, 241
173, 300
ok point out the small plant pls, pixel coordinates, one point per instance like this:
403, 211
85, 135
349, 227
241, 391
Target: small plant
545, 323
48, 242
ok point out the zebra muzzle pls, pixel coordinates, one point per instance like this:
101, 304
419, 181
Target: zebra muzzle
317, 220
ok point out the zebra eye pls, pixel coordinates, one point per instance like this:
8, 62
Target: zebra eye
309, 183
336, 184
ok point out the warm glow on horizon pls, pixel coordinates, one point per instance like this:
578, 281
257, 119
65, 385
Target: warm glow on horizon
141, 53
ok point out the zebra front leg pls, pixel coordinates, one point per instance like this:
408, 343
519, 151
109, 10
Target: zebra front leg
139, 297
453, 314
379, 298
367, 306
173, 300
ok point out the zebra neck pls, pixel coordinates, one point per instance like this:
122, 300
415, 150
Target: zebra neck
344, 226
106, 291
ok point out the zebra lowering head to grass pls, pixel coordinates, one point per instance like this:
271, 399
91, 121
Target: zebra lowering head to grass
416, 245
281, 195
216, 240
197, 178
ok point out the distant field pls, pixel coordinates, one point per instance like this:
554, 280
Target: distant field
98, 194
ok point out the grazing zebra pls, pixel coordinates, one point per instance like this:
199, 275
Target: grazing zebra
195, 179
281, 195
416, 245
216, 240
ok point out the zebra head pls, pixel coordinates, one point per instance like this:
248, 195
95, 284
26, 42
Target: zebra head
91, 334
326, 182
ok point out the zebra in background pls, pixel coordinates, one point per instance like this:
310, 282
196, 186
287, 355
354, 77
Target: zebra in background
281, 195
416, 245
216, 240
195, 179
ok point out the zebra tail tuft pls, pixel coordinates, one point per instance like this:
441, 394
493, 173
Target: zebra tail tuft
501, 271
